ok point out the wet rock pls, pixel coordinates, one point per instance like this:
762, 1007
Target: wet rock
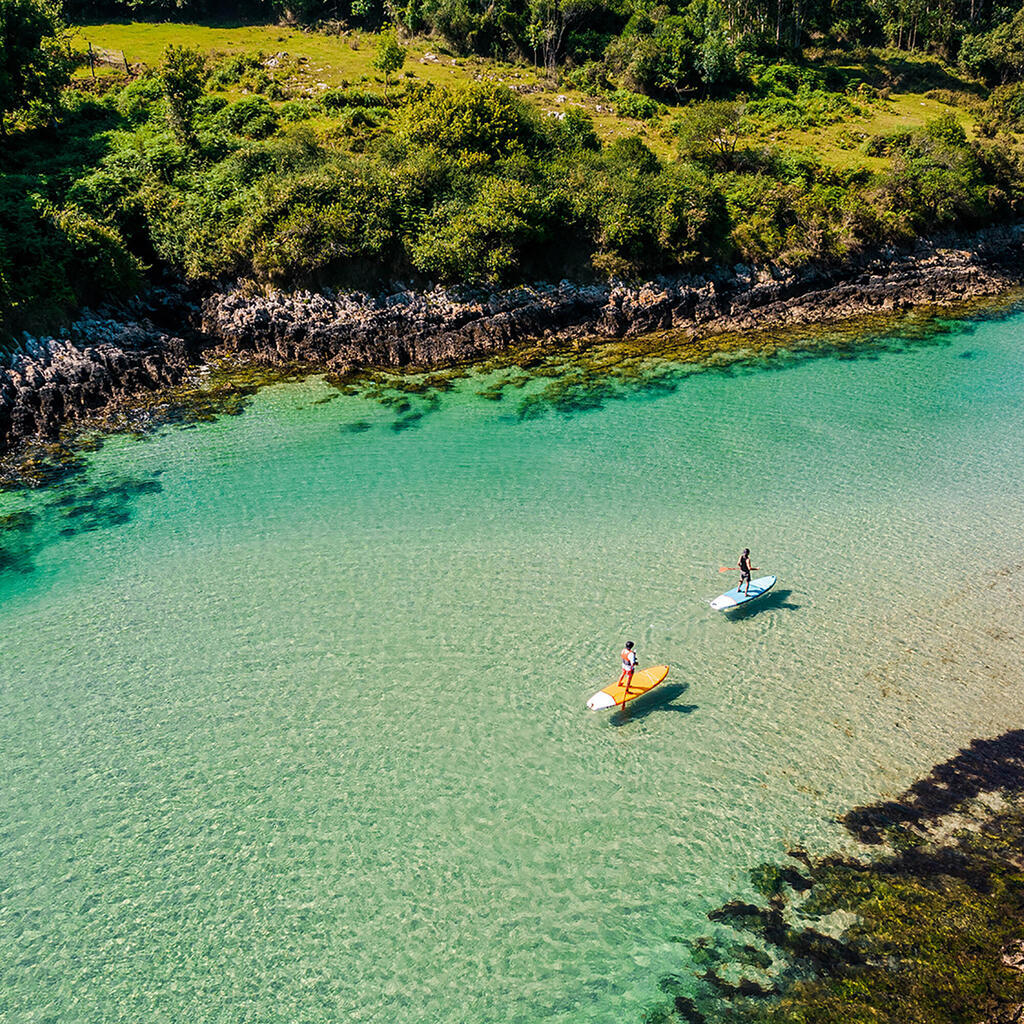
107, 358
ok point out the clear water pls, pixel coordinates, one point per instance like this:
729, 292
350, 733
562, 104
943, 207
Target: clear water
292, 721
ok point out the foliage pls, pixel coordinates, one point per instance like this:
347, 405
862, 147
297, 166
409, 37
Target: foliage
936, 178
251, 116
476, 124
1006, 108
35, 62
710, 132
484, 239
997, 55
574, 130
470, 182
183, 73
389, 58
636, 105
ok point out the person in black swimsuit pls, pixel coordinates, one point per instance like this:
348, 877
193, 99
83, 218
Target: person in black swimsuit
745, 568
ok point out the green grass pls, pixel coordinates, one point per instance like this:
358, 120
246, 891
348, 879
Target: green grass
318, 61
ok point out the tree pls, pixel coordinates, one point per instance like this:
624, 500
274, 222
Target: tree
35, 63
389, 57
549, 23
711, 132
183, 74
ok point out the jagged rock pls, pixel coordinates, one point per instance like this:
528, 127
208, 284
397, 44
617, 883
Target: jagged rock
104, 358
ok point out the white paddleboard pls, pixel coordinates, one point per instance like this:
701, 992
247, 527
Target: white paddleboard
736, 598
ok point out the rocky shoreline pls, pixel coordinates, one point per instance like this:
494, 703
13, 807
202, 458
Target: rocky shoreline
109, 359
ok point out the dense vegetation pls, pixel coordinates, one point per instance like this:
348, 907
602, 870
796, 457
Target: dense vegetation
676, 44
228, 168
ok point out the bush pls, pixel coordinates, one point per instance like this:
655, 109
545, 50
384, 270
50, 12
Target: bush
630, 155
478, 123
317, 222
1006, 107
299, 110
232, 69
341, 99
591, 78
574, 131
486, 240
936, 178
635, 105
692, 219
804, 109
784, 79
135, 102
98, 262
252, 117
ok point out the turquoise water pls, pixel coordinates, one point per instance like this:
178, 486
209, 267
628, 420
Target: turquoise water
292, 717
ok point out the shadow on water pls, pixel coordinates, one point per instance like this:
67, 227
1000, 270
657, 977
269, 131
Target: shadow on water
986, 766
770, 602
658, 700
15, 542
948, 852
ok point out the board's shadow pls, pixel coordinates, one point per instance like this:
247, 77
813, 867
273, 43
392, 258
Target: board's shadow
771, 601
659, 699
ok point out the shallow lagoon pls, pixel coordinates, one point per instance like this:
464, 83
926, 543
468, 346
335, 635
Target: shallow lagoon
291, 703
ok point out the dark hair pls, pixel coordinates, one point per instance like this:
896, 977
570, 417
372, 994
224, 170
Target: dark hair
746, 551
629, 645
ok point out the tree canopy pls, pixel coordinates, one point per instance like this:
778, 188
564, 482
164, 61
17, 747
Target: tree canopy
34, 59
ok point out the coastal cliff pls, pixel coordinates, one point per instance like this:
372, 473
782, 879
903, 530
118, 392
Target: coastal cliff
107, 359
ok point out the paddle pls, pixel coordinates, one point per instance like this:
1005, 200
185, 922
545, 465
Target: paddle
736, 568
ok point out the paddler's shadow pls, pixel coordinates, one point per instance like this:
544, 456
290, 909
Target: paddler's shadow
659, 699
770, 602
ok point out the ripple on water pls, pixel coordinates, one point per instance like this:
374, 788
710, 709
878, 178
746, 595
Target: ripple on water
293, 713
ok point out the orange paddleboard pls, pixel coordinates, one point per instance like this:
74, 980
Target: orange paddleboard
615, 695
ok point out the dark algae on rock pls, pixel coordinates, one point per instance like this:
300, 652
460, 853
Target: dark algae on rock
926, 926
70, 507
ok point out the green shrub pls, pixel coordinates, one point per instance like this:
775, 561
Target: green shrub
299, 110
590, 78
252, 117
805, 109
1006, 107
135, 102
636, 105
631, 155
936, 178
478, 123
488, 239
692, 219
574, 131
98, 262
342, 99
785, 79
309, 224
231, 70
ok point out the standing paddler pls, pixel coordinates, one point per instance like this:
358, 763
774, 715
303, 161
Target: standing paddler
628, 656
745, 569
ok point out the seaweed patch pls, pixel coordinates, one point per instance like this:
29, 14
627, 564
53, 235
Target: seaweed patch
922, 928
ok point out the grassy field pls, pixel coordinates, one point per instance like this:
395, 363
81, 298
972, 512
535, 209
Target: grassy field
309, 63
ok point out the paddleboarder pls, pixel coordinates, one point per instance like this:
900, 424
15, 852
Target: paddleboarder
628, 656
745, 569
